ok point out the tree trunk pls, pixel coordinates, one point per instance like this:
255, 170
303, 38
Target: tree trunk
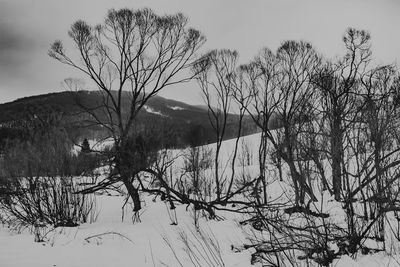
336, 145
134, 194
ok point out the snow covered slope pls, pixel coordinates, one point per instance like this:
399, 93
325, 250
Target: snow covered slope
153, 242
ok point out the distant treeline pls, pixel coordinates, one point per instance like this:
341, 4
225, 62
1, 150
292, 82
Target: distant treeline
178, 128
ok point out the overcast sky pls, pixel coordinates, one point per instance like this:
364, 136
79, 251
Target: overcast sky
28, 27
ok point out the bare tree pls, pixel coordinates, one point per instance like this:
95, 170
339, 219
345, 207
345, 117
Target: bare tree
337, 83
371, 137
215, 76
138, 52
256, 94
279, 87
344, 125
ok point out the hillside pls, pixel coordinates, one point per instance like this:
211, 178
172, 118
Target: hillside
176, 120
66, 102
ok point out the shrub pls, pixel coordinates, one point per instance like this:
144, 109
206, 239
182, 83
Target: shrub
47, 201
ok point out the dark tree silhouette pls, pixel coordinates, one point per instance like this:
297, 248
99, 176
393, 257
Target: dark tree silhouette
85, 147
135, 51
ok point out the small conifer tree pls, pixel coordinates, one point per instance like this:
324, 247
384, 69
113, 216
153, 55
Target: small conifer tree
85, 147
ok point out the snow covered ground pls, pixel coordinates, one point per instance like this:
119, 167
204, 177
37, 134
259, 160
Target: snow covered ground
177, 108
111, 242
153, 242
151, 110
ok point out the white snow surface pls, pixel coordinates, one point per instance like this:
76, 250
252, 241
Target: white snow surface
177, 108
119, 243
151, 110
112, 242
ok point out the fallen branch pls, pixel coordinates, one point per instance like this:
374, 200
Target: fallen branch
108, 233
299, 209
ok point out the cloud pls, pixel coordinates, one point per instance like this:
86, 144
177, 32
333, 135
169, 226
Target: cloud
13, 48
15, 44
28, 27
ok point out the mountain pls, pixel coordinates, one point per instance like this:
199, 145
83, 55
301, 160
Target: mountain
179, 122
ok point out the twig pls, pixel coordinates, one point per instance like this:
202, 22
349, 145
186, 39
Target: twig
108, 233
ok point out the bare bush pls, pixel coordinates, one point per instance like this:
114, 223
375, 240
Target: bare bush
38, 187
48, 201
201, 248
